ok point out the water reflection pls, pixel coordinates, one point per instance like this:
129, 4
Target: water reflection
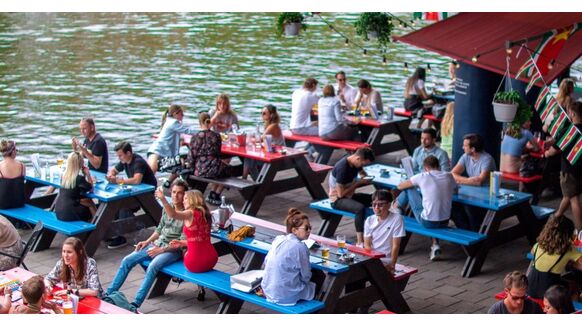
124, 69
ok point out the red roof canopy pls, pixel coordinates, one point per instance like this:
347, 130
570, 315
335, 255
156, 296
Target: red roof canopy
467, 34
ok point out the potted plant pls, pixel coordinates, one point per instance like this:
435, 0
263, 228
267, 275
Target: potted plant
290, 23
375, 25
505, 105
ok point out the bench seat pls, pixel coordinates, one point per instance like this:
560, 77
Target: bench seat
219, 282
232, 182
451, 234
518, 178
403, 112
32, 214
320, 168
542, 213
431, 117
339, 144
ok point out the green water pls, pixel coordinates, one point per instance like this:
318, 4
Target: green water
124, 69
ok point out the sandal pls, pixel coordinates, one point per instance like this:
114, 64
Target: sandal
201, 294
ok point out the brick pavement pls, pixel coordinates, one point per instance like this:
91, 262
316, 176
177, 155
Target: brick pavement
436, 288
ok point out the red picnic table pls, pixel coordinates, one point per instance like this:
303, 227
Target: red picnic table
87, 305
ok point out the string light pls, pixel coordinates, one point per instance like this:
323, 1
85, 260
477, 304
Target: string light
405, 66
365, 53
428, 67
347, 41
551, 64
384, 61
475, 58
456, 63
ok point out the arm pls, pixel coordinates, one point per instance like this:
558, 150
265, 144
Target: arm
93, 159
112, 174
405, 185
343, 190
52, 278
172, 212
395, 250
305, 266
552, 151
444, 162
7, 302
473, 181
154, 236
135, 180
93, 284
368, 243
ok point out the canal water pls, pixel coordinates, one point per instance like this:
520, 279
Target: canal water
124, 69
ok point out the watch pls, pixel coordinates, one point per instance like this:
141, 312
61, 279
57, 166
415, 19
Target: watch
77, 292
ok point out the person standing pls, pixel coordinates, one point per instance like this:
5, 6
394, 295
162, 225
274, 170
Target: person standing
137, 171
343, 185
516, 300
156, 248
94, 147
302, 101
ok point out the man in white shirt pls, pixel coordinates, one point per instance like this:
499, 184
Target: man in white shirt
302, 101
437, 189
345, 92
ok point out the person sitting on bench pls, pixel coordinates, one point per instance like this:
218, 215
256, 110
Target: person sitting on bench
332, 124
34, 294
342, 187
288, 276
12, 173
516, 300
384, 230
71, 204
436, 188
302, 101
156, 248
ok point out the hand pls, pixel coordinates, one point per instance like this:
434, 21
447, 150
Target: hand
52, 306
175, 244
154, 251
110, 178
86, 171
389, 267
140, 245
60, 292
160, 194
7, 291
74, 143
119, 180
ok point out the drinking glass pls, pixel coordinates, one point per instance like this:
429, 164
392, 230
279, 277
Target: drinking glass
60, 160
341, 243
68, 307
325, 252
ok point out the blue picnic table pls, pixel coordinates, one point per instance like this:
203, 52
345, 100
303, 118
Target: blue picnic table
112, 198
507, 204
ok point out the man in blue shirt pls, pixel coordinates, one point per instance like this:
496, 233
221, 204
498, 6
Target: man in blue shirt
477, 165
427, 148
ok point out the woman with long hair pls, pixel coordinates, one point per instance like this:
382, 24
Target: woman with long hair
168, 142
12, 174
415, 94
223, 117
287, 277
557, 300
71, 205
447, 128
565, 91
75, 270
515, 142
271, 121
205, 157
552, 252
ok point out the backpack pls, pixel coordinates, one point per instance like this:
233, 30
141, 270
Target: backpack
119, 299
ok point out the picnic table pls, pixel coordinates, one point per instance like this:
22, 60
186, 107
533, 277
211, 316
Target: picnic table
87, 305
112, 198
366, 266
509, 203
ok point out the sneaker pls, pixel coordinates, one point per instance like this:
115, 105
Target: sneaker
117, 242
214, 198
435, 252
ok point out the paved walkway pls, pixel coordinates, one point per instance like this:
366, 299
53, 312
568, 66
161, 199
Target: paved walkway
437, 287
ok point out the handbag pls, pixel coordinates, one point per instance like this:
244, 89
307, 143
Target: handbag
530, 166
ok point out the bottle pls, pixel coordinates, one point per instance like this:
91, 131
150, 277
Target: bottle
46, 171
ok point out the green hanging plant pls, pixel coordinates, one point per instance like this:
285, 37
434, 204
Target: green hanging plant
378, 24
286, 18
522, 115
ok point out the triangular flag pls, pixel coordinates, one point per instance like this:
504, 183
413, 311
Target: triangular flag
551, 45
542, 97
557, 124
574, 154
537, 76
525, 68
547, 109
571, 134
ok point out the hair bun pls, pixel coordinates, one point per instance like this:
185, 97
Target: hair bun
293, 211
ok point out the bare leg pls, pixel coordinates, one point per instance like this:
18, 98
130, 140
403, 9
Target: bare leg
359, 237
153, 162
576, 211
49, 190
564, 204
89, 203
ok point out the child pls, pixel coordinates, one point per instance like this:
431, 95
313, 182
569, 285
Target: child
34, 294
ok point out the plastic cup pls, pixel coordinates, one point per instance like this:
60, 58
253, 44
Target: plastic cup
68, 307
325, 252
341, 243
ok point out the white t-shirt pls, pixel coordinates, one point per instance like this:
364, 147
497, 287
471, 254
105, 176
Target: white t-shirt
349, 95
437, 188
382, 233
419, 85
302, 102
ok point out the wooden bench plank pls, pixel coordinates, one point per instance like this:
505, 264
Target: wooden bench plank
32, 214
339, 144
232, 182
220, 282
319, 168
542, 213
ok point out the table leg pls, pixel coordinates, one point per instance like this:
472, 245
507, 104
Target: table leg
409, 141
251, 261
151, 207
44, 242
478, 253
329, 224
387, 287
331, 290
106, 213
324, 154
529, 223
265, 178
309, 179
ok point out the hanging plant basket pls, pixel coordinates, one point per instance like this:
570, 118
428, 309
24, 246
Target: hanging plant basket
504, 112
290, 24
292, 29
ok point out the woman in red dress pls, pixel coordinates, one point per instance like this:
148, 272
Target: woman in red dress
201, 255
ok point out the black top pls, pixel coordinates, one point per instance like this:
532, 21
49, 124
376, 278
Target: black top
566, 166
12, 191
138, 165
98, 147
529, 307
67, 206
343, 172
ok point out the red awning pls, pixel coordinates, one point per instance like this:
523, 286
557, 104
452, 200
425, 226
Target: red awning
467, 34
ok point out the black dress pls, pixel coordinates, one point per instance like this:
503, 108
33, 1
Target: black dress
12, 191
68, 206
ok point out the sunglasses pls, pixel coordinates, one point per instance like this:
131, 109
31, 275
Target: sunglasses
306, 228
379, 204
517, 298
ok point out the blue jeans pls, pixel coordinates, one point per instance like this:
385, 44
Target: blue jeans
135, 258
414, 198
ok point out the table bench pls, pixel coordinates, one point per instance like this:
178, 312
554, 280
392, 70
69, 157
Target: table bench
433, 118
450, 234
32, 214
244, 186
325, 148
531, 184
542, 213
219, 282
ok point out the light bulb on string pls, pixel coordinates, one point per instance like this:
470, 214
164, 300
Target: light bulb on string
365, 53
384, 61
456, 63
475, 58
509, 51
406, 67
428, 67
412, 23
551, 64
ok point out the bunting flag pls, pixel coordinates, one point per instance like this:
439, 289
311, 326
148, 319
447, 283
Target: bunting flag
431, 16
574, 154
536, 77
551, 45
542, 98
525, 69
548, 108
557, 124
571, 134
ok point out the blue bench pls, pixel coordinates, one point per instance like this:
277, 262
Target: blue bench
542, 213
451, 234
32, 214
219, 282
